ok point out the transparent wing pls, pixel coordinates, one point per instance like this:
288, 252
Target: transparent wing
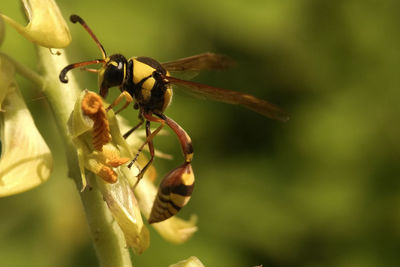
231, 97
206, 61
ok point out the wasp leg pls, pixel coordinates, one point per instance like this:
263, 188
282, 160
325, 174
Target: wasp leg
128, 99
128, 133
151, 150
149, 141
177, 186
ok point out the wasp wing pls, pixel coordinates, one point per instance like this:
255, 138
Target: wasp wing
232, 97
189, 67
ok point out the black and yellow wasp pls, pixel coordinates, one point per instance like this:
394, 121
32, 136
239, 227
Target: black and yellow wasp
148, 84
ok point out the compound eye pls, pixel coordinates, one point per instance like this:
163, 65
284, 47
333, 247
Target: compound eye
114, 73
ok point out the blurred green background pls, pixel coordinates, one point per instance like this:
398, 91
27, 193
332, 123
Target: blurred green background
319, 190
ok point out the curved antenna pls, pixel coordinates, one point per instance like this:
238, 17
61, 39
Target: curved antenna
75, 19
63, 74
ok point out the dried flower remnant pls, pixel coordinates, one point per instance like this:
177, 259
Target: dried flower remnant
99, 145
89, 127
102, 163
92, 106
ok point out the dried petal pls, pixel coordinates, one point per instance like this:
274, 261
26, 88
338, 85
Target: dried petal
100, 157
92, 106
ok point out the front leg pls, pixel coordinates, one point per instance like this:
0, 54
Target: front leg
128, 133
128, 99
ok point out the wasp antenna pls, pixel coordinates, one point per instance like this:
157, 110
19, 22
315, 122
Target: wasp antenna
75, 19
63, 74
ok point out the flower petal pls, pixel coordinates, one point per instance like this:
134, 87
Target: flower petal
124, 208
189, 262
78, 123
25, 160
80, 127
7, 81
106, 164
177, 230
46, 26
2, 30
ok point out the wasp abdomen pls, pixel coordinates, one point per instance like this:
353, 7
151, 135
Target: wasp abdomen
174, 193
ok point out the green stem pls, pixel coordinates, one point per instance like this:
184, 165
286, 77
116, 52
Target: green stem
108, 239
24, 71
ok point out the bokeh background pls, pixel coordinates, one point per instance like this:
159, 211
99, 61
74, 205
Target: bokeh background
319, 190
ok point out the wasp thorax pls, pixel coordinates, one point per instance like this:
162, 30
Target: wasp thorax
112, 73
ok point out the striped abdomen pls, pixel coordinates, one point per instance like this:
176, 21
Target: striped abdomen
174, 192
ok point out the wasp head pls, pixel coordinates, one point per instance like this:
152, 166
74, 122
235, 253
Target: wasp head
112, 73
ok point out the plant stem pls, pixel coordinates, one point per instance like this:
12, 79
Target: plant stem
108, 239
24, 71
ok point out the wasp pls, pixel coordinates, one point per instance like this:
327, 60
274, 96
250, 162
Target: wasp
147, 84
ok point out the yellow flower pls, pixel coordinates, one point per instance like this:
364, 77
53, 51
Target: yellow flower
46, 25
189, 262
125, 205
25, 160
